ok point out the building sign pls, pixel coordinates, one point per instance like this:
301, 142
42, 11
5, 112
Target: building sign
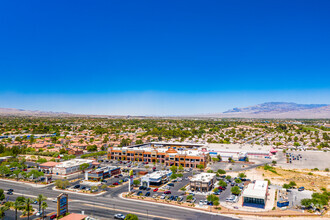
62, 204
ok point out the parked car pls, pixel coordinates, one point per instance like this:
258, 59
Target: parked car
171, 198
171, 184
301, 188
83, 188
76, 186
39, 213
52, 216
139, 193
115, 184
155, 190
167, 192
10, 193
163, 196
180, 198
119, 216
10, 190
147, 194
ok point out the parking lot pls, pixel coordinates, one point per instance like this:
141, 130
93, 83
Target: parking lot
309, 160
173, 192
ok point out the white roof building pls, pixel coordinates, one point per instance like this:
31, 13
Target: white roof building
256, 190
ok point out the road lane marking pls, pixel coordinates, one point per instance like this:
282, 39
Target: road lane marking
121, 210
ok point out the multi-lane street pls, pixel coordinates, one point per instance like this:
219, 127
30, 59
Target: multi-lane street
105, 205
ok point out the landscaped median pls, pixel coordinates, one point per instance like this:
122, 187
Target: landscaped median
219, 209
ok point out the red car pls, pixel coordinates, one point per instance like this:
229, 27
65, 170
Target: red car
155, 190
115, 184
222, 188
167, 192
25, 169
52, 217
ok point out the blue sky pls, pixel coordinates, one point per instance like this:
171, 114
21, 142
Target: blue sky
162, 57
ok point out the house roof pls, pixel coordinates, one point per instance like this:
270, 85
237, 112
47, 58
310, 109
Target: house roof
49, 164
74, 216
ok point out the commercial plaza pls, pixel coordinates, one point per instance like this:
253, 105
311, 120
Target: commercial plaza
186, 154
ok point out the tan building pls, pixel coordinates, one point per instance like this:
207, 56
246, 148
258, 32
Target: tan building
168, 156
202, 182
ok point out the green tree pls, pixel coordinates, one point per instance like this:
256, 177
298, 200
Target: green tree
222, 183
136, 182
16, 173
274, 162
4, 170
44, 206
181, 168
190, 197
2, 195
83, 166
200, 166
221, 171
28, 202
228, 177
3, 209
238, 181
241, 175
235, 190
131, 217
17, 204
174, 169
212, 198
104, 186
40, 199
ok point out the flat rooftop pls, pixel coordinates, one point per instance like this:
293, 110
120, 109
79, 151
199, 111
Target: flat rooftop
203, 177
234, 148
256, 190
158, 174
73, 162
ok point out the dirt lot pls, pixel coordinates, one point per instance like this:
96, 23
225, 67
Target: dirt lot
311, 182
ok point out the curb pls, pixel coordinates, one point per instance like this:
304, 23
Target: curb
84, 194
179, 207
30, 184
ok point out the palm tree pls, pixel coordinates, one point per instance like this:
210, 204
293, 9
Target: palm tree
40, 199
2, 211
28, 202
17, 204
44, 206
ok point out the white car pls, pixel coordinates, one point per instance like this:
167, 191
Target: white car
39, 213
163, 196
202, 202
119, 216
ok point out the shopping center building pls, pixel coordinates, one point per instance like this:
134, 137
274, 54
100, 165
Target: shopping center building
168, 155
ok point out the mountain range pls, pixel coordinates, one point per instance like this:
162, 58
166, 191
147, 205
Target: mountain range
264, 110
277, 110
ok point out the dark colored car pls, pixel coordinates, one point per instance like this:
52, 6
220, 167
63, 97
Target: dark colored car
301, 188
167, 192
147, 194
76, 186
148, 188
170, 184
83, 187
171, 198
10, 190
10, 193
139, 193
115, 184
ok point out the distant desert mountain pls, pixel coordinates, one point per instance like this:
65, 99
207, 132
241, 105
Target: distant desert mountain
277, 110
22, 112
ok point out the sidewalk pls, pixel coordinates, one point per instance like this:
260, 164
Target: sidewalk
30, 184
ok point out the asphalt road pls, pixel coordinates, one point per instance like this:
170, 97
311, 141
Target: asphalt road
106, 205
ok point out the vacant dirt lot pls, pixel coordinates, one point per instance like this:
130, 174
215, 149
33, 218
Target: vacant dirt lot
302, 177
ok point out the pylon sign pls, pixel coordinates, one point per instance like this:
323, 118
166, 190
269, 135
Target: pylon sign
62, 204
